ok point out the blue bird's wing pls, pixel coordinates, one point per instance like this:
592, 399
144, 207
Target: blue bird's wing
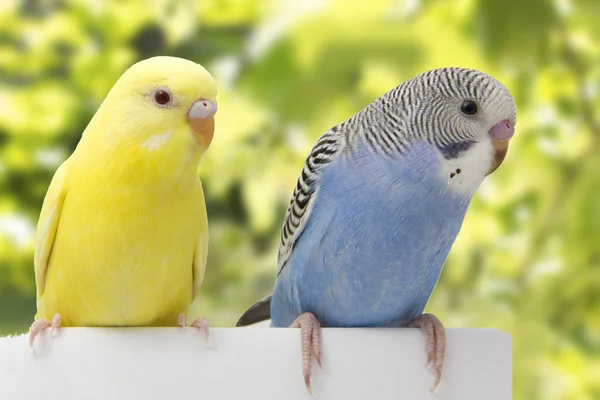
298, 213
300, 207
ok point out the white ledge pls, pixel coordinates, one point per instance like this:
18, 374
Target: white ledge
174, 363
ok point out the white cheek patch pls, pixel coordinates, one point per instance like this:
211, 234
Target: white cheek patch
466, 172
156, 142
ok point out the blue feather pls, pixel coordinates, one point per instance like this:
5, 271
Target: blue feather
375, 242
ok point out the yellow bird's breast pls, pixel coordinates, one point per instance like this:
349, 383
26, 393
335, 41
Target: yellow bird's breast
124, 257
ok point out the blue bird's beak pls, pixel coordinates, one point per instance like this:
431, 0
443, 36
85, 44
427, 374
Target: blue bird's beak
500, 135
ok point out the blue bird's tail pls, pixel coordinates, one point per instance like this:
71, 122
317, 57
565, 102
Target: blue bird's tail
259, 311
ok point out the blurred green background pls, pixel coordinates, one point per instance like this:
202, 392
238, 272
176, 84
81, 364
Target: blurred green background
528, 257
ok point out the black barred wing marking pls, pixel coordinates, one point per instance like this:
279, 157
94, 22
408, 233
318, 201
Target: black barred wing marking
300, 206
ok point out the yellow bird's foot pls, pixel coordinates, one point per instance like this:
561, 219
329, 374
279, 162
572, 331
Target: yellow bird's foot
435, 337
40, 324
200, 323
310, 336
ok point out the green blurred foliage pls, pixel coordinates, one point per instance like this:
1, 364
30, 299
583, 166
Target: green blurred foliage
528, 257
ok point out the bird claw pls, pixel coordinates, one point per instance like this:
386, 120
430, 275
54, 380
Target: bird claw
200, 323
40, 324
310, 336
182, 321
435, 338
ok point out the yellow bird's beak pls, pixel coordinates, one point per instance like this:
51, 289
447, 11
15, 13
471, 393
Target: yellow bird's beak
201, 119
500, 134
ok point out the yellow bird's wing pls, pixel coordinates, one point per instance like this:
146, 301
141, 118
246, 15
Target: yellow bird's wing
200, 254
47, 226
200, 251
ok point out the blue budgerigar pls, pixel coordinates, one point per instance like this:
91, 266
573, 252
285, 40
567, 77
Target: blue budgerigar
378, 205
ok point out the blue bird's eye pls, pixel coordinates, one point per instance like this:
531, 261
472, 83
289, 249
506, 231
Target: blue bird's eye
468, 107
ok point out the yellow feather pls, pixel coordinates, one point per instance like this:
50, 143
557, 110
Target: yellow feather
122, 236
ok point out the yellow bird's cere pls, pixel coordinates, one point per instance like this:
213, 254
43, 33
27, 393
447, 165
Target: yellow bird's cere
122, 236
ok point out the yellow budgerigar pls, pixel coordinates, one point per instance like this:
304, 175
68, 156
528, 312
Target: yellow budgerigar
122, 236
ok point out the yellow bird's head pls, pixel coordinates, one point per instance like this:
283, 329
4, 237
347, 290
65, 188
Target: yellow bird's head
158, 118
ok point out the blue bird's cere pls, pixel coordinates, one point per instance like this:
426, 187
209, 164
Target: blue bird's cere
378, 205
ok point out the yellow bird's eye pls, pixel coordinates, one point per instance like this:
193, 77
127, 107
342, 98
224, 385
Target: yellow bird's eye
162, 97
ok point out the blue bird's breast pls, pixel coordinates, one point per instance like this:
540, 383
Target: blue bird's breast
375, 242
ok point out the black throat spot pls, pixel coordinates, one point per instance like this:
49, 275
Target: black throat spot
454, 150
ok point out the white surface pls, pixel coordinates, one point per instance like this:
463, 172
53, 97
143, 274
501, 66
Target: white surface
243, 363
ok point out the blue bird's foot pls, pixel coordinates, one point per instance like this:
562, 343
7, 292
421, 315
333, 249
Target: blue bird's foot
310, 336
435, 337
40, 324
200, 323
